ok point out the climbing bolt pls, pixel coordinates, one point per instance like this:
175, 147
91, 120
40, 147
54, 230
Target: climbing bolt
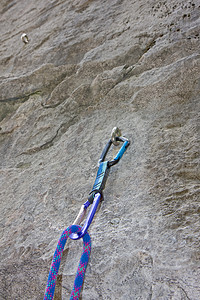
24, 38
116, 132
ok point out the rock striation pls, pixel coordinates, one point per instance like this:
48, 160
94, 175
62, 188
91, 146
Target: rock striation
89, 66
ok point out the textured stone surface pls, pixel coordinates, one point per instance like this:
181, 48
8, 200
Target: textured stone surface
89, 66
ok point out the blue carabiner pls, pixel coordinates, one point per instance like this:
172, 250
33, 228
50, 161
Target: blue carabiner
104, 166
80, 234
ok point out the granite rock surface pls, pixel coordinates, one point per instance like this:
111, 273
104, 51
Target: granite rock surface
89, 66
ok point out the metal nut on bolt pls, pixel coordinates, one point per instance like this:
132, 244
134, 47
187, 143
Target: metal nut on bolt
116, 132
24, 38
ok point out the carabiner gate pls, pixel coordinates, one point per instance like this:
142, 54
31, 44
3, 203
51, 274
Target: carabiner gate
80, 234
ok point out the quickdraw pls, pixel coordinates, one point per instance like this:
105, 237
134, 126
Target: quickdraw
76, 232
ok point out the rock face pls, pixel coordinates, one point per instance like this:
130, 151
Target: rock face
89, 66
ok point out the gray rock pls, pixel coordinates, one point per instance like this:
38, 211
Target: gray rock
90, 66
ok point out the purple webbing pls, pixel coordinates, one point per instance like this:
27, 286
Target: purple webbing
78, 282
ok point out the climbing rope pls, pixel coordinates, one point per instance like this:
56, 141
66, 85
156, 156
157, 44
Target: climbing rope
76, 232
78, 282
